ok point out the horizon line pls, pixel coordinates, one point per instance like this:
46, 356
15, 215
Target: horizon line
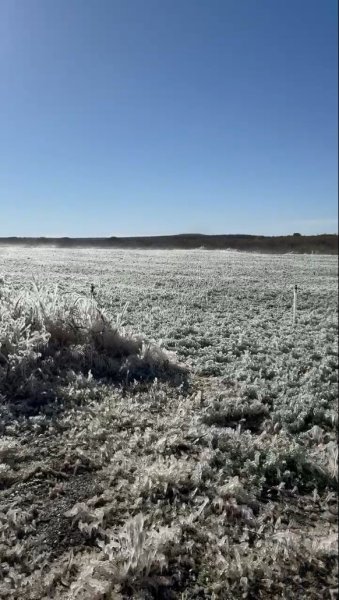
166, 235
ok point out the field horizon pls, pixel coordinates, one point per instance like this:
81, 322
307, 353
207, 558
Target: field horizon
296, 242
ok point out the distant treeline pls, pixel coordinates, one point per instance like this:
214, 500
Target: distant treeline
319, 244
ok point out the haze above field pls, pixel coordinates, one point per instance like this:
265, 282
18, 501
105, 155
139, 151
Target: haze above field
132, 118
320, 244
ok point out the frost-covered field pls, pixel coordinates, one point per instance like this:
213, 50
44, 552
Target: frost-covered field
175, 436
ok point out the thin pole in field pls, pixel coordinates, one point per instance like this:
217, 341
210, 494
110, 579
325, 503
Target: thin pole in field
294, 304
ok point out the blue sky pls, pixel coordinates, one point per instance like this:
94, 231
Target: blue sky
145, 117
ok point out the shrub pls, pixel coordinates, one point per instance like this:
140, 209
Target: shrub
47, 338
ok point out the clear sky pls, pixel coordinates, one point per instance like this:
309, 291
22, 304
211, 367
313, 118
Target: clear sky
145, 117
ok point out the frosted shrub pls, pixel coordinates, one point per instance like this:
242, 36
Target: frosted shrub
45, 336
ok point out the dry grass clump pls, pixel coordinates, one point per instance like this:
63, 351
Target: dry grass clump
9, 451
47, 339
270, 464
230, 412
167, 477
130, 557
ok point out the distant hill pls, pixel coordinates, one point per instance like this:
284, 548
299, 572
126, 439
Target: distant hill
319, 244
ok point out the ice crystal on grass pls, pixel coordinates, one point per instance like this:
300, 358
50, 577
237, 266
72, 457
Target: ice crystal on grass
115, 483
132, 552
